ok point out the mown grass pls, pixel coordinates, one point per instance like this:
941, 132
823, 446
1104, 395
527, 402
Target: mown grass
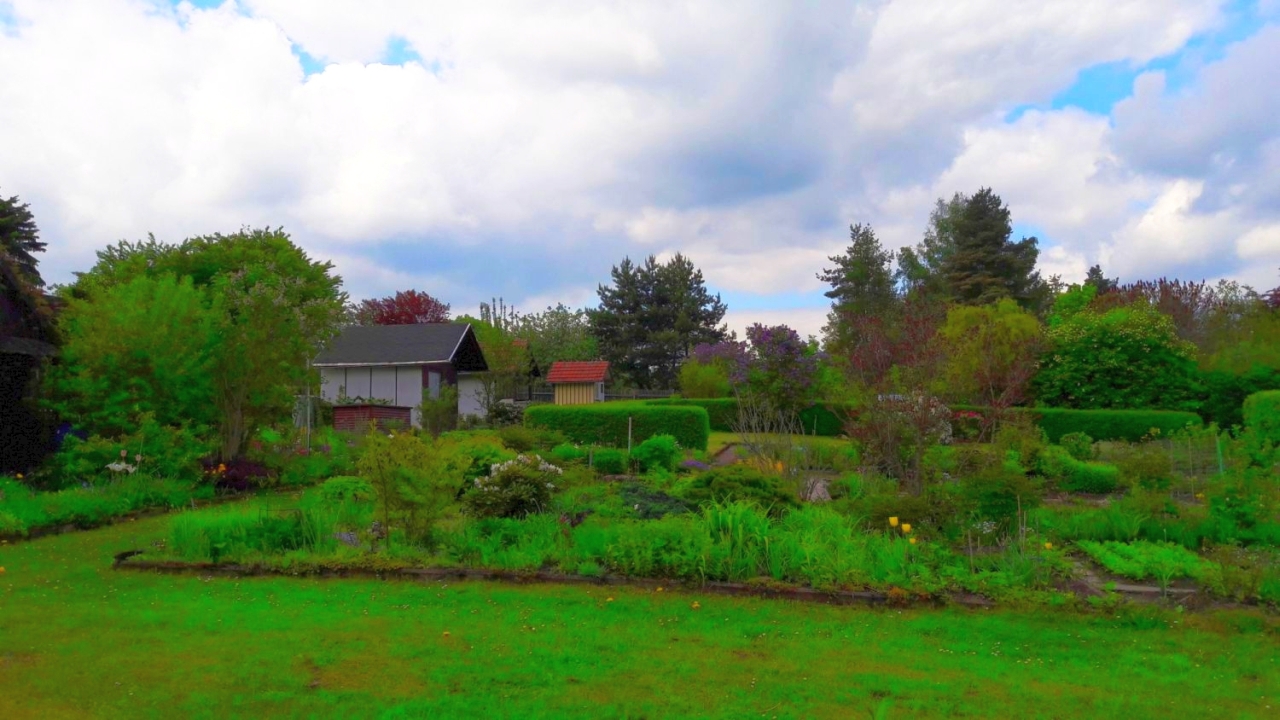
78, 639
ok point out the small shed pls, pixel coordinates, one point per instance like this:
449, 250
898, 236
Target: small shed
578, 383
401, 364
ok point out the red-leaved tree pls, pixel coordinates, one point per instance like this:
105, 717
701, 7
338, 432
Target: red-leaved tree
408, 307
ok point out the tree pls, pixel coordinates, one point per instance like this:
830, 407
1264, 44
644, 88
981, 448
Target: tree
1099, 281
508, 362
1124, 358
558, 333
992, 354
861, 282
985, 266
407, 307
783, 369
273, 308
1193, 306
651, 317
20, 239
920, 270
145, 346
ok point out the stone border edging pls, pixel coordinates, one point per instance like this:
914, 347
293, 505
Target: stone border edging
801, 594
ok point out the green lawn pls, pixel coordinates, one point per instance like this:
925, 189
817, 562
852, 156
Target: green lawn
80, 640
717, 440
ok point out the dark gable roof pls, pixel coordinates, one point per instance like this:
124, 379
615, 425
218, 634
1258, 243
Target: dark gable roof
405, 345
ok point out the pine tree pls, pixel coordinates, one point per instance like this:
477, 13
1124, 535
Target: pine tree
19, 238
1103, 283
652, 316
920, 268
861, 282
985, 265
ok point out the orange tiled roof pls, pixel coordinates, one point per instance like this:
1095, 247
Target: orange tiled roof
578, 372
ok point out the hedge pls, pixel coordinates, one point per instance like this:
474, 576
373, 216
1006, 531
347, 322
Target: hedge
1262, 413
1129, 425
826, 420
606, 423
1075, 475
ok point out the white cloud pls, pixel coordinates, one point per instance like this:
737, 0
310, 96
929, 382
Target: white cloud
535, 144
805, 321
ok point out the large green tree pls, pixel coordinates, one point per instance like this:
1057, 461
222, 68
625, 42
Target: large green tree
920, 269
986, 266
651, 317
272, 308
861, 283
1128, 357
20, 239
558, 333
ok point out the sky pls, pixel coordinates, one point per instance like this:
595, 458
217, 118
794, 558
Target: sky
522, 148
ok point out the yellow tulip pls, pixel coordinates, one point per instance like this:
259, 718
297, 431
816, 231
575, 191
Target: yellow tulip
608, 599
696, 605
906, 527
1048, 546
893, 522
911, 540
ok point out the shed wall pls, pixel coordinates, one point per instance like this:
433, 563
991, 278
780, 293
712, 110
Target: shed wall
575, 393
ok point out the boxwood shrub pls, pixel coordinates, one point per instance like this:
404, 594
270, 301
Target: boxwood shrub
606, 423
1075, 475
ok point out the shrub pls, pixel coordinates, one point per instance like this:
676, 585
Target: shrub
739, 483
439, 414
657, 452
414, 479
1147, 466
609, 461
1079, 445
151, 448
565, 453
514, 489
477, 452
606, 423
1073, 475
1262, 415
649, 503
347, 489
525, 439
999, 495
823, 419
239, 475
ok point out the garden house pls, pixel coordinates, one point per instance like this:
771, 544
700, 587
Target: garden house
578, 383
395, 366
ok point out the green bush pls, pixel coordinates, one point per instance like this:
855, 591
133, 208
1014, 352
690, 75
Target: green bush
516, 488
476, 452
1147, 466
525, 439
347, 489
609, 461
657, 452
999, 495
1072, 475
1080, 445
415, 480
606, 423
151, 448
740, 483
722, 413
1262, 415
565, 453
649, 503
1227, 391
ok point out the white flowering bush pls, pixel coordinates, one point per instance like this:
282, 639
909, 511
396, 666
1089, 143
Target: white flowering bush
515, 488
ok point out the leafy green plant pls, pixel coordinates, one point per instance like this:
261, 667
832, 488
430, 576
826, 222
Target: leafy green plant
740, 483
567, 453
1147, 466
1140, 560
649, 503
1079, 445
609, 461
515, 488
415, 480
1073, 475
657, 452
347, 489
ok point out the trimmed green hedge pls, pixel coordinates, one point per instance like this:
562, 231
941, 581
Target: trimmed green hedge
1130, 425
722, 413
826, 420
1075, 475
606, 423
1262, 413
